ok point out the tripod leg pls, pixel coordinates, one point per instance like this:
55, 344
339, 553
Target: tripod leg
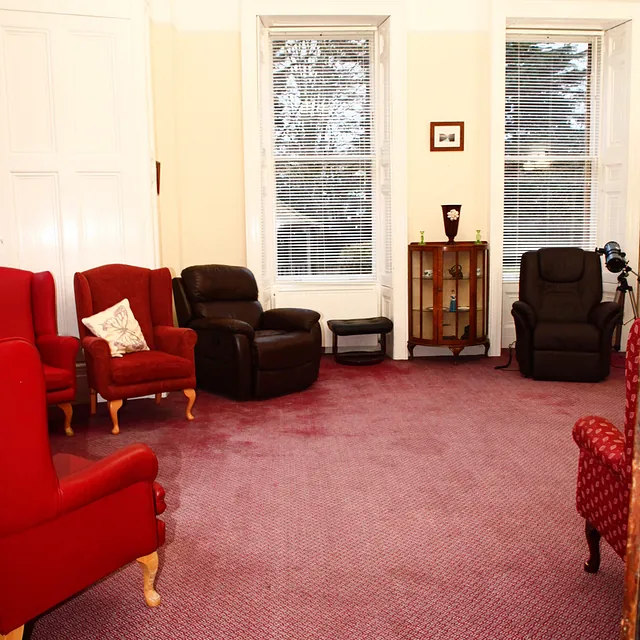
634, 304
617, 334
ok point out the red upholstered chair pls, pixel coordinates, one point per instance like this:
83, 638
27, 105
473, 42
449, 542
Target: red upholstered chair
604, 470
29, 312
65, 522
168, 366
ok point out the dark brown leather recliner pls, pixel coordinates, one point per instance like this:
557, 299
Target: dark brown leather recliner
243, 351
563, 329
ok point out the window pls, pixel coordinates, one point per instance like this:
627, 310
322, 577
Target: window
323, 156
551, 144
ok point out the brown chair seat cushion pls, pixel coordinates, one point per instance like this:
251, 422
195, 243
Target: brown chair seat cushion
56, 379
566, 336
275, 349
145, 366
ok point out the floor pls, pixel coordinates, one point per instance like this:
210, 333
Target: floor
408, 500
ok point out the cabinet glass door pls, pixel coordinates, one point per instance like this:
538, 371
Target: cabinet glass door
456, 295
482, 287
422, 275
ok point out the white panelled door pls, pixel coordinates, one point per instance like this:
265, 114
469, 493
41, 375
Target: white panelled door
76, 185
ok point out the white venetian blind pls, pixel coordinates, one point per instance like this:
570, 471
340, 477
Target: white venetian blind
323, 148
551, 144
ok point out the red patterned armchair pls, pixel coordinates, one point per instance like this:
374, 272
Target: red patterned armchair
29, 312
604, 470
167, 366
65, 522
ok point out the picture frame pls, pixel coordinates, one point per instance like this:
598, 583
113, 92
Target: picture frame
447, 136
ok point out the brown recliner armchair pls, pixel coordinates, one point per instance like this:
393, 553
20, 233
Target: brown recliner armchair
563, 329
243, 351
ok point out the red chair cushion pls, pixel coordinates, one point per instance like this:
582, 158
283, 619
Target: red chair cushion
16, 319
56, 379
65, 464
145, 366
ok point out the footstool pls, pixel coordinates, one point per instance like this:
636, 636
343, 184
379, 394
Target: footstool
360, 327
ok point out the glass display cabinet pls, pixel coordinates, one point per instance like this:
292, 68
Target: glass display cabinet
448, 295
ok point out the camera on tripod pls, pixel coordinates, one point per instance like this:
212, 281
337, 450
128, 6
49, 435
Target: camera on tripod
615, 259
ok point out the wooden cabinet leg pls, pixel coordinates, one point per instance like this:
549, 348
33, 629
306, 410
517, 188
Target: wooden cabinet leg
150, 568
191, 398
158, 398
93, 401
114, 407
16, 634
68, 414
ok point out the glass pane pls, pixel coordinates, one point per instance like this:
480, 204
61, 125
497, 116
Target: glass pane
482, 284
456, 295
422, 294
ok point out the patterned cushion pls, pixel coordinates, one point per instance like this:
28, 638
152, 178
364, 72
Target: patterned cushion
604, 470
118, 326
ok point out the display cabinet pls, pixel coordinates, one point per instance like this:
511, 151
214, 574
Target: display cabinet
448, 295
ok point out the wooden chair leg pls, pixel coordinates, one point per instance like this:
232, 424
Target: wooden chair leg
593, 540
191, 398
93, 401
68, 414
158, 398
150, 568
16, 634
114, 407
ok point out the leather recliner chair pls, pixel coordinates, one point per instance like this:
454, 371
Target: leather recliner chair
243, 351
563, 329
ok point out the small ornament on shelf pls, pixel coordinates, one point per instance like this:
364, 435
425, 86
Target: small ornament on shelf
428, 274
422, 237
452, 301
478, 238
456, 272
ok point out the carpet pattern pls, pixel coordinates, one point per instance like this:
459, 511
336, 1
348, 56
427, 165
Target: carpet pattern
410, 500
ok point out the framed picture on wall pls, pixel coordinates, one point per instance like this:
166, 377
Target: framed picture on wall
447, 136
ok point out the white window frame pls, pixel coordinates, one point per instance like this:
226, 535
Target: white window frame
270, 234
330, 13
552, 14
590, 37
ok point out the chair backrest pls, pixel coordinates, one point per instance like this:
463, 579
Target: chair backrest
29, 490
631, 372
561, 284
148, 292
28, 303
219, 291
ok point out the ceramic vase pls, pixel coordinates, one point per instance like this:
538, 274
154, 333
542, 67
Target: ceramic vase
451, 217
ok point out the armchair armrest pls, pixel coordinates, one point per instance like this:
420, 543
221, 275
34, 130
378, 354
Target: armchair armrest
289, 319
524, 312
58, 351
175, 341
98, 356
136, 463
605, 314
226, 325
602, 440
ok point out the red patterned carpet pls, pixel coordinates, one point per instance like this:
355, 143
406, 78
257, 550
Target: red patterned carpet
413, 500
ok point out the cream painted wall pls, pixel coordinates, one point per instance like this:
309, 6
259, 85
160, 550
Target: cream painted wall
452, 86
198, 118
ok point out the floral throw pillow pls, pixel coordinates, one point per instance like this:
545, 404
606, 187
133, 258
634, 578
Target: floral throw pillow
118, 326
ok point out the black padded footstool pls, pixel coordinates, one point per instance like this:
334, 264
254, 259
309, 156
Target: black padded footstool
360, 327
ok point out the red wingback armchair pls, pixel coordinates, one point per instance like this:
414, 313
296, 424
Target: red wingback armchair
29, 312
604, 470
168, 366
65, 522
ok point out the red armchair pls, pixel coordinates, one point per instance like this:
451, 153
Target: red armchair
29, 312
168, 366
604, 470
65, 522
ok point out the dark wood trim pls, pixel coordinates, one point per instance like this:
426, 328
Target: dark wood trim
432, 130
